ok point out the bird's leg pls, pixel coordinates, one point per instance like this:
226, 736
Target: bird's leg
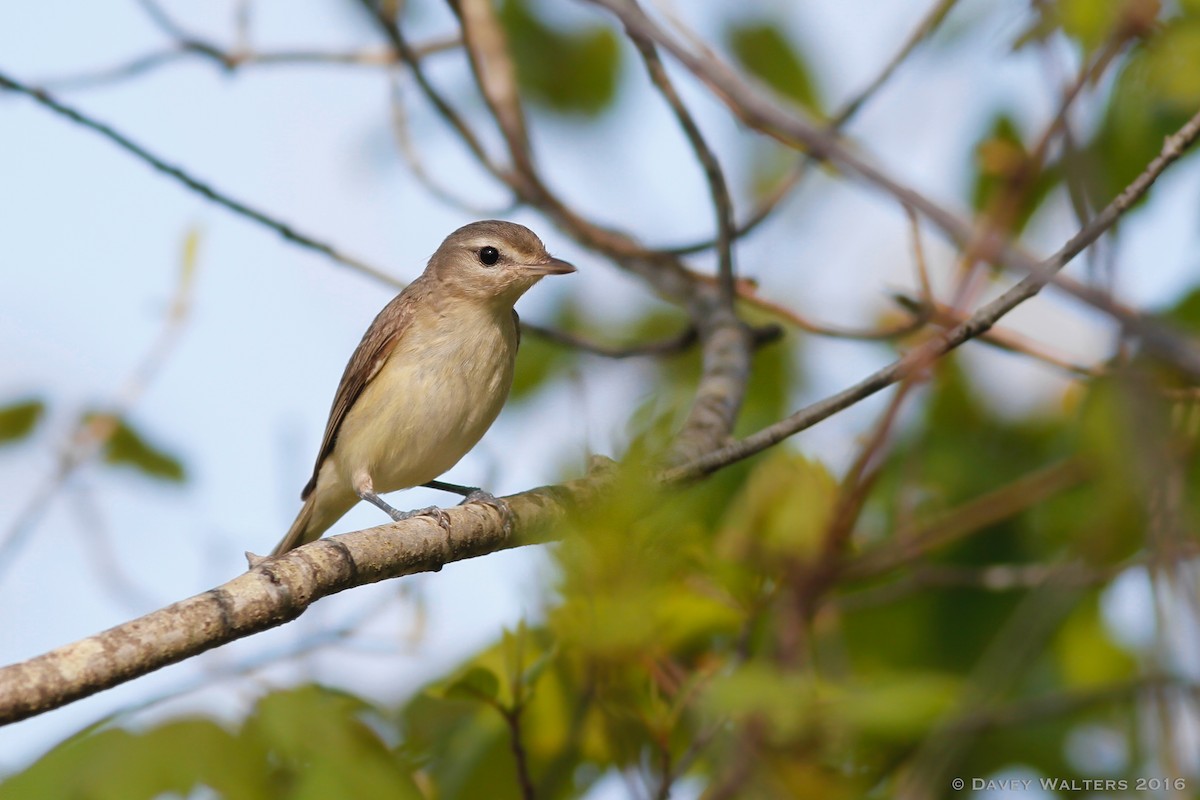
365, 489
473, 494
443, 486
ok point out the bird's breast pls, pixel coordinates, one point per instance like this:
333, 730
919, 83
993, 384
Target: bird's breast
439, 391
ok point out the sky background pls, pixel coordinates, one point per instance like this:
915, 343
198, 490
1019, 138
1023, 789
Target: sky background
91, 243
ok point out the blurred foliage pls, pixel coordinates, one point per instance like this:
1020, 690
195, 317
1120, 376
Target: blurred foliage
763, 50
567, 71
1010, 185
17, 420
679, 633
127, 446
295, 744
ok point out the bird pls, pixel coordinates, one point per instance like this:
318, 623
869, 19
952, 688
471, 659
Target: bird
427, 380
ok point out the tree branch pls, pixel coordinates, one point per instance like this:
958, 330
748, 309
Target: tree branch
718, 189
1184, 354
753, 108
195, 184
279, 590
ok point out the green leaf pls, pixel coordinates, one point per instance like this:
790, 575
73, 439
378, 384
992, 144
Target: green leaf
898, 707
569, 72
1185, 314
782, 511
172, 759
126, 446
1154, 94
1004, 183
760, 47
478, 683
319, 746
1089, 22
1086, 653
788, 702
19, 419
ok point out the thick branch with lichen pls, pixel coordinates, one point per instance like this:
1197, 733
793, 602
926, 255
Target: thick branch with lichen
279, 590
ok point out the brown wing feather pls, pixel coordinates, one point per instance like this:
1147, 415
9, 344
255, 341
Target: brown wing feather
368, 358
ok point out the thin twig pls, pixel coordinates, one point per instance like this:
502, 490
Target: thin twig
1181, 352
663, 347
416, 164
235, 59
717, 187
754, 109
909, 543
930, 23
195, 184
88, 438
409, 57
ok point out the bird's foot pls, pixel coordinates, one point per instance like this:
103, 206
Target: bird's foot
253, 559
489, 499
439, 516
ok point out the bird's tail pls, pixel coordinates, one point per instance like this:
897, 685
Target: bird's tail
298, 534
324, 506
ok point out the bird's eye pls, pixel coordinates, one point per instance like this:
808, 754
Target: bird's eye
489, 256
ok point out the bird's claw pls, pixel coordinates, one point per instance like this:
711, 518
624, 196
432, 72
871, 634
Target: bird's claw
489, 499
439, 516
253, 559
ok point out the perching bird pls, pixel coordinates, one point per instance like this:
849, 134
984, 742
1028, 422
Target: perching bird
427, 379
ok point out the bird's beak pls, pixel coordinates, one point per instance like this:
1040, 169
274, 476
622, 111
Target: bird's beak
555, 266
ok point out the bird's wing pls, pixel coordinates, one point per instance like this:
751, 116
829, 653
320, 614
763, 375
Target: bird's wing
368, 358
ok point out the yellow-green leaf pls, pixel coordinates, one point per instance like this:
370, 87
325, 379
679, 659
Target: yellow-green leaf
763, 50
19, 419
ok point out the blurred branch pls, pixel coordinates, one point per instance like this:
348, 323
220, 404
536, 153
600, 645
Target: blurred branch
909, 543
932, 20
754, 109
894, 331
663, 347
416, 163
89, 437
1180, 351
1011, 341
993, 578
202, 188
1061, 704
408, 55
232, 60
280, 589
718, 189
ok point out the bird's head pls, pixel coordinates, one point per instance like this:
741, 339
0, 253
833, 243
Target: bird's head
494, 260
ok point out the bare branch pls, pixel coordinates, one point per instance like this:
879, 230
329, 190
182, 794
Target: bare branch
911, 542
202, 188
279, 590
727, 348
409, 56
718, 189
664, 347
91, 434
232, 60
930, 23
1181, 352
750, 105
416, 164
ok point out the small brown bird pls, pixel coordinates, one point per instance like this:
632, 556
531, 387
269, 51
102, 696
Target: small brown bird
427, 379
